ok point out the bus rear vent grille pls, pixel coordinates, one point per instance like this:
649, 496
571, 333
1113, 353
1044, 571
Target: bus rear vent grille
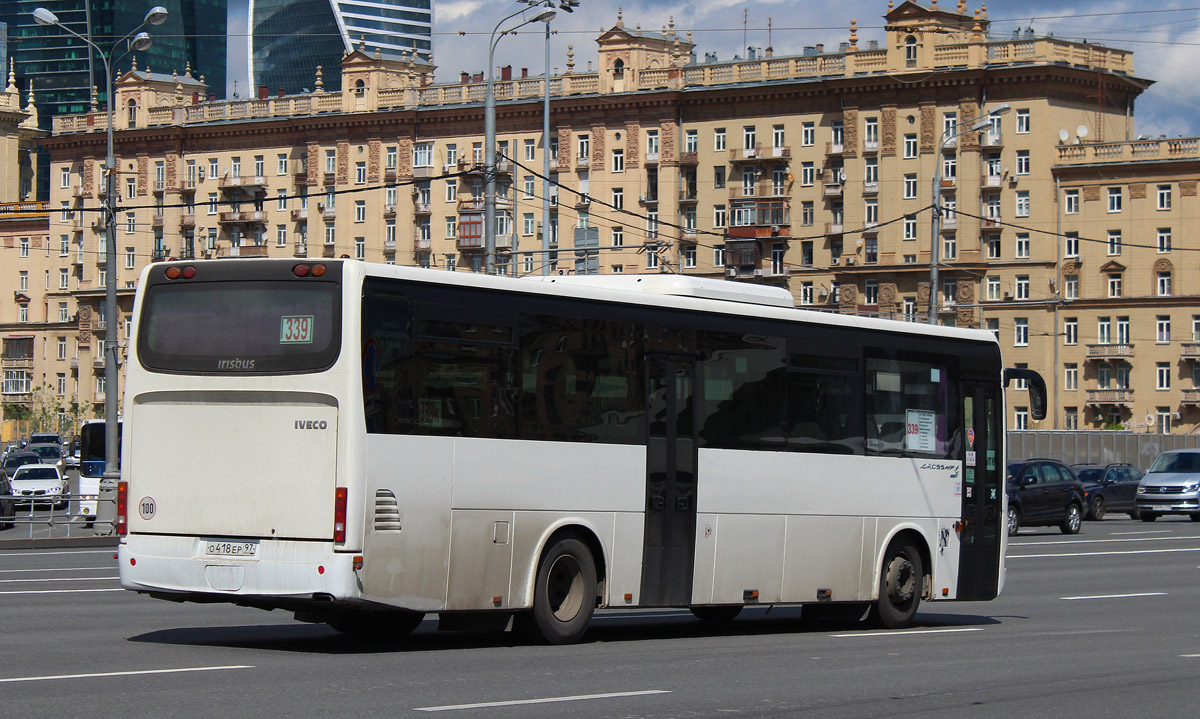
387, 511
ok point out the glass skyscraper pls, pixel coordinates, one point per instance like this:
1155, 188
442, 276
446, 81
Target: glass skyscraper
288, 39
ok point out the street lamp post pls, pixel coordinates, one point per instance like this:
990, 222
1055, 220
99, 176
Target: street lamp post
489, 139
936, 194
140, 41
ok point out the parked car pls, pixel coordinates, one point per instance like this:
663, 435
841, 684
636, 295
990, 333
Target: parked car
1109, 488
8, 506
39, 483
1044, 492
50, 454
1171, 486
16, 459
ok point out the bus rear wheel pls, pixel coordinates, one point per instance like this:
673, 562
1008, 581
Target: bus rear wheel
900, 582
564, 594
376, 625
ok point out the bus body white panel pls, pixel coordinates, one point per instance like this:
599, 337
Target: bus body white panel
247, 487
281, 569
531, 475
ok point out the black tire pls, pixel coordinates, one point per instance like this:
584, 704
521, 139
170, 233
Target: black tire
1074, 519
1134, 514
1096, 509
1195, 517
376, 625
1147, 516
1014, 520
564, 594
717, 615
900, 582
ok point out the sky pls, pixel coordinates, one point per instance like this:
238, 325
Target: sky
1165, 37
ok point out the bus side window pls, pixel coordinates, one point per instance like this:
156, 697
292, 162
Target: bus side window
744, 396
909, 408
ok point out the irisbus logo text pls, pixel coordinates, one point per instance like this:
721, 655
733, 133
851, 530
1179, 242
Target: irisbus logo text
238, 364
311, 424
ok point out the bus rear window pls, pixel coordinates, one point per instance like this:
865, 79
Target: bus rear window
240, 327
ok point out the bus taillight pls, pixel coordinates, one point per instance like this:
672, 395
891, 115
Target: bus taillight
339, 515
122, 508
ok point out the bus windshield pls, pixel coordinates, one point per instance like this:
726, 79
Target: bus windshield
253, 327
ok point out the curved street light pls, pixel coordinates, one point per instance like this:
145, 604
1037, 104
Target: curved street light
935, 221
141, 41
489, 139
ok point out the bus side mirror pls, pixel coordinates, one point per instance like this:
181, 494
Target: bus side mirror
1037, 389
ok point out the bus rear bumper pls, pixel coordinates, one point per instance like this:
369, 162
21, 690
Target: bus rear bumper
282, 574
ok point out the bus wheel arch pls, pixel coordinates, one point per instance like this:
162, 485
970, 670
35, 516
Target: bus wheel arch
584, 533
566, 588
904, 578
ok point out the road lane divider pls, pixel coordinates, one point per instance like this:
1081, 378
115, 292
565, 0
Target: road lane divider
1102, 554
137, 672
1116, 596
908, 632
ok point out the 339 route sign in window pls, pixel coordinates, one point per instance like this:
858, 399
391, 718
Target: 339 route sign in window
296, 330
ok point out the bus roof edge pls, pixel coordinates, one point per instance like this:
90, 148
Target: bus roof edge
681, 286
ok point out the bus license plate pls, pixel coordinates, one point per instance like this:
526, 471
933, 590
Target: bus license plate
231, 549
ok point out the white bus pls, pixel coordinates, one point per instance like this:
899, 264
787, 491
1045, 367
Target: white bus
365, 444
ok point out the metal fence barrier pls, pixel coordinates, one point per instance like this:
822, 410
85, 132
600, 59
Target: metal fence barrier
37, 518
1096, 447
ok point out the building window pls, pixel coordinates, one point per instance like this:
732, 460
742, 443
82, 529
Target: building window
1162, 329
719, 139
719, 216
950, 247
618, 160
1164, 197
1022, 162
689, 257
1164, 419
1022, 203
910, 228
1104, 330
1162, 376
360, 247
1022, 287
1070, 418
806, 293
910, 51
808, 134
871, 292
1020, 332
330, 162
1070, 330
910, 187
910, 147
360, 173
718, 255
1114, 284
807, 213
1114, 199
64, 276
691, 141
1071, 201
871, 132
1022, 122
1071, 244
1070, 376
993, 288
1022, 246
1114, 243
1021, 418
1163, 242
778, 137
423, 154
360, 210
992, 244
1164, 284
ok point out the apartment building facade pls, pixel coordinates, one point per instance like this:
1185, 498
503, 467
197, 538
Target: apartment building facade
816, 172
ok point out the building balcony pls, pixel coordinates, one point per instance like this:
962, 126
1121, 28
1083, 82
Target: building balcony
1110, 397
1190, 351
651, 158
160, 186
949, 221
470, 243
834, 148
746, 154
300, 176
504, 242
871, 146
389, 210
949, 183
187, 221
300, 214
423, 172
990, 223
1109, 352
329, 214
422, 244
189, 183
389, 173
330, 178
17, 363
689, 158
470, 204
871, 188
300, 249
652, 198
1191, 397
420, 208
252, 217
991, 139
78, 221
834, 228
248, 251
77, 191
992, 180
156, 220
583, 162
250, 182
949, 143
688, 195
583, 202
833, 187
389, 245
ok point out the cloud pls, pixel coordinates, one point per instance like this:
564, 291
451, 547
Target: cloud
448, 11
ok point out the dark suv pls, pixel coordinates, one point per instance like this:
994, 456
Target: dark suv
1109, 488
1046, 493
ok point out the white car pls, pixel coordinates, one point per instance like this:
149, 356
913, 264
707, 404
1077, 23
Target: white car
39, 483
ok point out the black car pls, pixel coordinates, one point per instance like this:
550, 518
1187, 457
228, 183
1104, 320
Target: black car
1046, 493
1109, 488
16, 459
8, 505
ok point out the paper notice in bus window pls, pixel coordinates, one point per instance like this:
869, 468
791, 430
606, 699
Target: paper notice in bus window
921, 430
296, 330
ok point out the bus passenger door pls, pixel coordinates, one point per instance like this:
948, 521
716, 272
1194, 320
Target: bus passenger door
983, 510
670, 538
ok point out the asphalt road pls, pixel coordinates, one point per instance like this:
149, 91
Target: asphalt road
1103, 624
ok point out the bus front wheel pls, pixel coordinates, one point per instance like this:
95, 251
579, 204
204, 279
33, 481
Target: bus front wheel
900, 583
564, 595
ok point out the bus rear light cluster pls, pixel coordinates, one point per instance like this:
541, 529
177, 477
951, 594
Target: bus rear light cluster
122, 508
339, 516
187, 273
304, 270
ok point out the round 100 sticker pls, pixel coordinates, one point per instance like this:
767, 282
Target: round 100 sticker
146, 507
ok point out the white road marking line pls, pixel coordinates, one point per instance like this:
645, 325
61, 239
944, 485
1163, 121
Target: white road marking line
63, 569
913, 631
1152, 531
1118, 596
57, 579
109, 552
1189, 656
1102, 554
60, 591
1098, 541
126, 674
547, 700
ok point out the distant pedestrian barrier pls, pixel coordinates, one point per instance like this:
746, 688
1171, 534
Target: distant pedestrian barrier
1096, 446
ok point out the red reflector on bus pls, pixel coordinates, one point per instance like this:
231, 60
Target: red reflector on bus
320, 570
132, 562
173, 273
300, 270
339, 515
189, 273
318, 270
122, 507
